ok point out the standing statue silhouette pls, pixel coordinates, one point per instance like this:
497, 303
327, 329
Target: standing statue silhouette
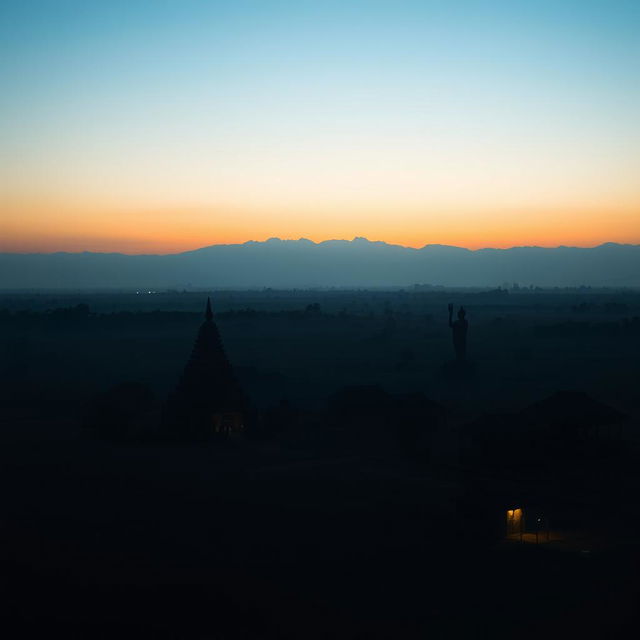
459, 333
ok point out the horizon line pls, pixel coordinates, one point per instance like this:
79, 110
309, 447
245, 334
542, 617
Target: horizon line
312, 242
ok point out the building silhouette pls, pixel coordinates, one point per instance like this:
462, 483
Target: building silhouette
208, 401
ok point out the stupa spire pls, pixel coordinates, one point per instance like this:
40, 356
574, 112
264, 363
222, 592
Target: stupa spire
208, 400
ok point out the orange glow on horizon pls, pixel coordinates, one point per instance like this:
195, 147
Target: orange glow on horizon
178, 243
175, 230
414, 126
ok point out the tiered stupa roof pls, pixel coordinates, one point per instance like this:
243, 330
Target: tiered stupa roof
207, 387
208, 380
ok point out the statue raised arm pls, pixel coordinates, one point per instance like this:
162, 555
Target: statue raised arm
459, 333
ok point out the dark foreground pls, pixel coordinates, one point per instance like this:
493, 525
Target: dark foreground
252, 541
311, 531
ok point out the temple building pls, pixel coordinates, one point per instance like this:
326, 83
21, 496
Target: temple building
208, 401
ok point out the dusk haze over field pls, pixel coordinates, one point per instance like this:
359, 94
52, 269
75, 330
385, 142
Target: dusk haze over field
159, 127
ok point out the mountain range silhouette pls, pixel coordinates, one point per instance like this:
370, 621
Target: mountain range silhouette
341, 263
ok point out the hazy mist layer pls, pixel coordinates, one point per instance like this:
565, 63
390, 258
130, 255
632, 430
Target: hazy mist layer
341, 263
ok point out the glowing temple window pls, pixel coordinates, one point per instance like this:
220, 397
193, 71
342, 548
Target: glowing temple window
515, 521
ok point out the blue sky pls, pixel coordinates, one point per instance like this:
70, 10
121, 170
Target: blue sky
329, 112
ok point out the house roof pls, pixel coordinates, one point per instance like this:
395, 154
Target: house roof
561, 410
571, 409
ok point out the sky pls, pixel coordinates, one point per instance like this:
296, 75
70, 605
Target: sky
163, 126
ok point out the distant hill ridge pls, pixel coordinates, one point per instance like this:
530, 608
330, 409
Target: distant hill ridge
347, 263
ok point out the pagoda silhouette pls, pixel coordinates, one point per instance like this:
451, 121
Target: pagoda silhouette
208, 401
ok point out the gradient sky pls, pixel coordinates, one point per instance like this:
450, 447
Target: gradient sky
161, 126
